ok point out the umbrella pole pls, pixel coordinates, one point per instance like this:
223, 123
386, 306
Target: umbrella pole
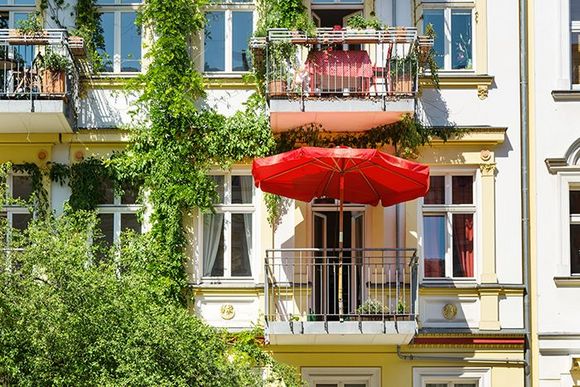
340, 246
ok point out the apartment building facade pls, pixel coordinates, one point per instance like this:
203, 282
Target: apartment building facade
554, 55
433, 289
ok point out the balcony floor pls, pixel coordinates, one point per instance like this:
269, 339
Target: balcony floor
341, 333
338, 115
49, 116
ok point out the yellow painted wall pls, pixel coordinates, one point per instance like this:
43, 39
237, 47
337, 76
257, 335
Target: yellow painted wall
396, 372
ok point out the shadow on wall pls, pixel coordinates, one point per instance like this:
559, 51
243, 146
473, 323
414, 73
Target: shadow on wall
432, 108
105, 109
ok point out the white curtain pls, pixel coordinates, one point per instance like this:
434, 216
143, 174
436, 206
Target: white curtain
247, 183
213, 225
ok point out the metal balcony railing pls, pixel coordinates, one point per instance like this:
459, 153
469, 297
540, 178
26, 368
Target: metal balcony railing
23, 74
313, 284
339, 63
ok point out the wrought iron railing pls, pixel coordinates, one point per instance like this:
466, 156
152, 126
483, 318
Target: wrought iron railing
339, 63
24, 74
327, 285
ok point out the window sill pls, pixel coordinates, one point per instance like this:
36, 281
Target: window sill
449, 283
228, 81
566, 95
109, 80
242, 282
567, 282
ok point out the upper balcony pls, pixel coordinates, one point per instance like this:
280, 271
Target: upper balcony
323, 296
38, 82
345, 80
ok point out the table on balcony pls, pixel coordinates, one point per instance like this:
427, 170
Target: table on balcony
337, 71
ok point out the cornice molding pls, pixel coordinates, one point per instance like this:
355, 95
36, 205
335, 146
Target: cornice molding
481, 82
487, 135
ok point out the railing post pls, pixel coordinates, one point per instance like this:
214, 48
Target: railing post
414, 285
266, 290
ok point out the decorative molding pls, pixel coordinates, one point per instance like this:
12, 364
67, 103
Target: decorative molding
482, 83
107, 82
235, 83
487, 169
227, 311
485, 155
484, 135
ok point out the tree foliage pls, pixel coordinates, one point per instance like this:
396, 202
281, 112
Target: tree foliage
74, 313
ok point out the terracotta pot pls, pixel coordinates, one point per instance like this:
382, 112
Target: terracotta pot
277, 88
403, 84
53, 82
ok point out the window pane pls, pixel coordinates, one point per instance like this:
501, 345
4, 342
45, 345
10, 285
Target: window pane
108, 192
21, 187
463, 245
23, 2
436, 194
434, 245
242, 189
20, 221
106, 222
575, 10
436, 385
575, 56
130, 195
464, 385
108, 24
215, 42
241, 33
462, 189
219, 180
241, 244
461, 47
213, 245
4, 19
575, 248
130, 222
436, 19
574, 202
130, 43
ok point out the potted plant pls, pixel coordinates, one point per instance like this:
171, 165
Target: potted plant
29, 31
372, 310
54, 68
279, 55
76, 43
403, 71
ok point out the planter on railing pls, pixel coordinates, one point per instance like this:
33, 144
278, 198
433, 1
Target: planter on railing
17, 37
77, 46
277, 88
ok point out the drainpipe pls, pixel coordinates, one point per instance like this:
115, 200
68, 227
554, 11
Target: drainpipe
394, 12
525, 195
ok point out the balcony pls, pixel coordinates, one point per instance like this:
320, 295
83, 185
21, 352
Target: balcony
34, 98
313, 298
345, 80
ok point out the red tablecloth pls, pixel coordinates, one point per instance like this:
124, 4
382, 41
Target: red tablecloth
340, 63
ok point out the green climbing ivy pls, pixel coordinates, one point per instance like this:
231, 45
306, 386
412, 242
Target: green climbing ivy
39, 196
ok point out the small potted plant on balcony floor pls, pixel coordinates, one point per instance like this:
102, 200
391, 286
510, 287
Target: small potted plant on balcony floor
372, 310
280, 63
29, 31
54, 67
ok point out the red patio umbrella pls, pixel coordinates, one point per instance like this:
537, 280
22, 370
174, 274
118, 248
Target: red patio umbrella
365, 176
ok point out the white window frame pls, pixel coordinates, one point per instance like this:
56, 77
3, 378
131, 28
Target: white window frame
12, 8
11, 209
339, 375
117, 9
424, 375
573, 27
569, 181
117, 209
228, 209
228, 8
447, 10
450, 209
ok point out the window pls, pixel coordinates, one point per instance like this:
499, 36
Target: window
448, 227
575, 40
575, 231
226, 38
342, 377
453, 37
451, 377
228, 234
20, 188
117, 213
122, 52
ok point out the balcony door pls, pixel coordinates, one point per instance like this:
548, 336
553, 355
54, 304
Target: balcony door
326, 273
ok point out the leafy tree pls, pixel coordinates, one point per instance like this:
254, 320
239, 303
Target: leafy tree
75, 313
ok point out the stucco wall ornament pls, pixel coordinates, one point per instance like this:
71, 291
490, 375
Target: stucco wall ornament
227, 311
449, 311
